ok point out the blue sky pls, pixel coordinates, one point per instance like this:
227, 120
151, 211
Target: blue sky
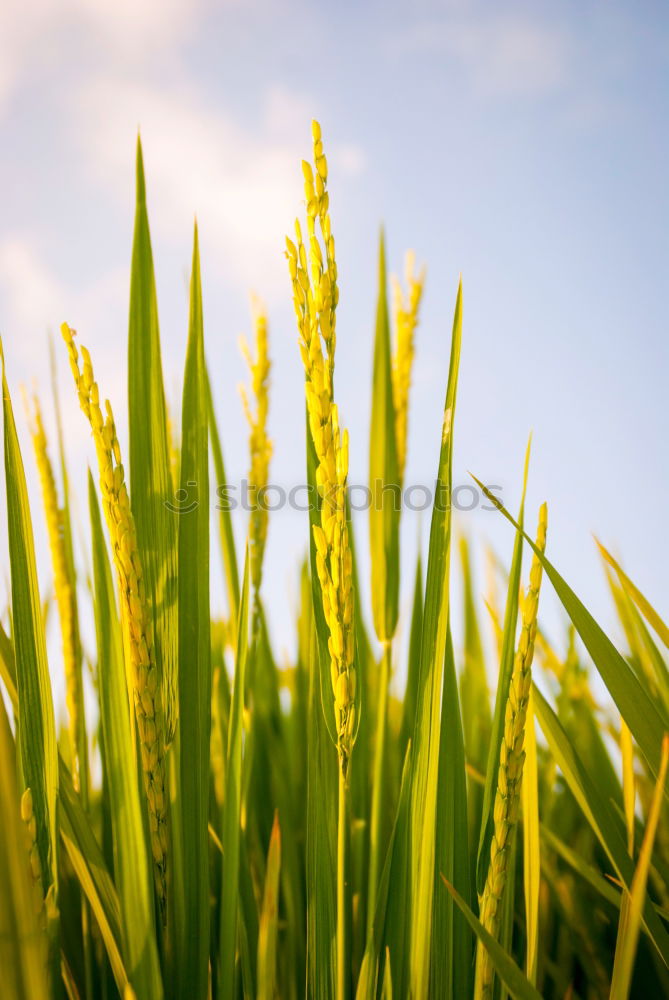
522, 144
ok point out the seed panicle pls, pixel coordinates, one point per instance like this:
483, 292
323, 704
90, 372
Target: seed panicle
510, 773
135, 611
405, 309
315, 298
260, 445
65, 593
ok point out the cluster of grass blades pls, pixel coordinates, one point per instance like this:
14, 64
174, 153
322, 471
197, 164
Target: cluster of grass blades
303, 830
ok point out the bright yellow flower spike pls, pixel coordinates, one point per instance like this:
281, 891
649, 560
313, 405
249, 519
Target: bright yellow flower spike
136, 616
405, 308
313, 272
260, 446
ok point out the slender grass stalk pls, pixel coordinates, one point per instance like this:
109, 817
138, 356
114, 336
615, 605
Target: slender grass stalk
343, 940
510, 774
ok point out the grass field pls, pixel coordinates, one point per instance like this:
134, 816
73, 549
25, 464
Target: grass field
268, 829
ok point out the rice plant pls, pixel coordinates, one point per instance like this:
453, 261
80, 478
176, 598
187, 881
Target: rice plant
225, 825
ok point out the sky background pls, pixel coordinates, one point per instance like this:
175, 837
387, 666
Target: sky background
522, 144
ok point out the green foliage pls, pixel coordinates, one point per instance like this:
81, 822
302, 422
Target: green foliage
288, 876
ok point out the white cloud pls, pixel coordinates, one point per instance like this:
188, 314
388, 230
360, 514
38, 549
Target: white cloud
39, 33
34, 304
501, 54
245, 185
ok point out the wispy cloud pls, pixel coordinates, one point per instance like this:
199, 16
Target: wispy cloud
60, 33
501, 54
35, 301
239, 179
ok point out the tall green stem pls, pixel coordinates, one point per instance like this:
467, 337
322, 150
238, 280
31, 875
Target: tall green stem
343, 963
379, 783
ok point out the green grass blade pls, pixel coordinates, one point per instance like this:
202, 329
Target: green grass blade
195, 654
384, 523
425, 757
226, 532
452, 942
631, 914
131, 867
602, 885
475, 701
647, 724
36, 723
150, 474
643, 604
269, 917
374, 950
232, 807
502, 694
604, 822
413, 669
384, 510
23, 945
515, 981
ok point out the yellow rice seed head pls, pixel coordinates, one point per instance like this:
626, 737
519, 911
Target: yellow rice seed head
511, 761
322, 167
27, 806
319, 539
406, 308
35, 864
63, 587
128, 566
350, 723
342, 691
315, 131
260, 446
156, 848
315, 294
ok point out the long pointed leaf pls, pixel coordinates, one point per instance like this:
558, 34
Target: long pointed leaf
36, 723
384, 510
647, 724
195, 655
598, 813
425, 757
150, 474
